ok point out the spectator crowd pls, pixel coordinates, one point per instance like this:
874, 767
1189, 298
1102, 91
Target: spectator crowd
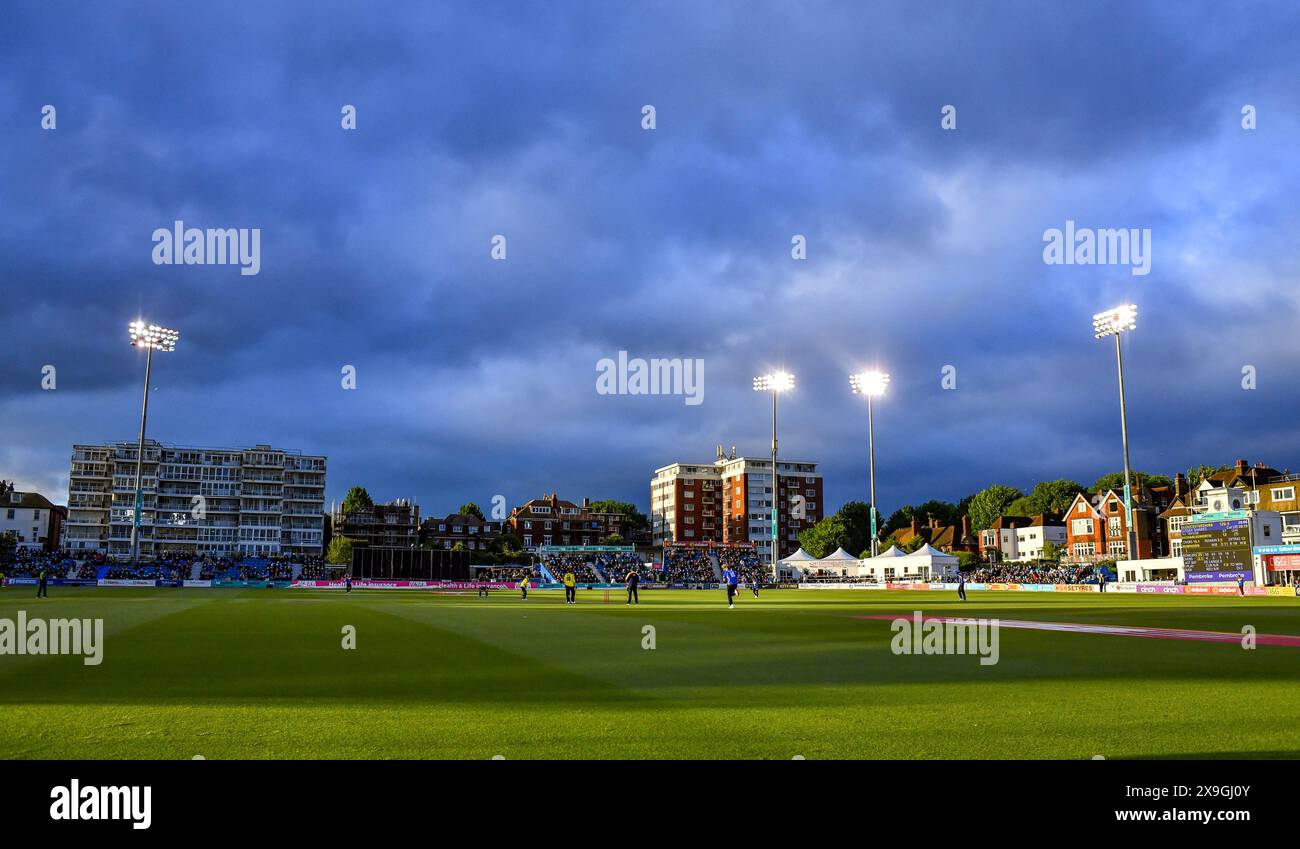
28, 563
686, 564
746, 563
505, 574
560, 563
1032, 573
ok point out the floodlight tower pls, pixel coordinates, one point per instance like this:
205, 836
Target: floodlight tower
152, 338
775, 383
1114, 322
873, 385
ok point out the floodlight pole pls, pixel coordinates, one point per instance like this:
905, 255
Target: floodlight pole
139, 457
871, 468
776, 540
1131, 541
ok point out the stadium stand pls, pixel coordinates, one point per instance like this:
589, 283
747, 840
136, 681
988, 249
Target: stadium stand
688, 565
616, 565
28, 564
574, 562
505, 574
744, 561
1040, 573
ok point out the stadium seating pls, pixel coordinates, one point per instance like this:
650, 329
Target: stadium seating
688, 565
1032, 573
616, 565
505, 574
578, 564
745, 561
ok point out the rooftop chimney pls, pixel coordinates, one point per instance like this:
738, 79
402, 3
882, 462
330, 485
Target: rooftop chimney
1241, 467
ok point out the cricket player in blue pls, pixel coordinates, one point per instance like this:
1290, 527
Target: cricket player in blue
731, 579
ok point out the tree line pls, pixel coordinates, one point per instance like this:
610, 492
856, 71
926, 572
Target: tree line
850, 528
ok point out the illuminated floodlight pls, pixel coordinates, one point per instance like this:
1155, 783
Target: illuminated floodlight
778, 382
870, 383
1115, 321
152, 336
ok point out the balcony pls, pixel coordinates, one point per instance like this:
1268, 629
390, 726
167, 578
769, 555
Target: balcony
263, 478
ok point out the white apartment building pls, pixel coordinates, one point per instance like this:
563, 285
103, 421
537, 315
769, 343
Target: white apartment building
220, 501
1031, 539
1013, 539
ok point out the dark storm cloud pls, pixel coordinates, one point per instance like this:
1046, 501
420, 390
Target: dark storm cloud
478, 377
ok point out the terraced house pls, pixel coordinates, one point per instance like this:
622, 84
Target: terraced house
553, 521
470, 531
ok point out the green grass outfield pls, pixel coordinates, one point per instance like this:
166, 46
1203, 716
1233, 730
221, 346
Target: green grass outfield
261, 674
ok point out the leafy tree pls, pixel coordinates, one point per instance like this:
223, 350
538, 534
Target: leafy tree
857, 519
899, 519
967, 560
508, 542
988, 504
8, 544
357, 500
460, 546
912, 544
825, 536
945, 513
340, 551
1023, 506
1046, 497
636, 520
470, 509
1051, 551
1115, 481
615, 539
1053, 497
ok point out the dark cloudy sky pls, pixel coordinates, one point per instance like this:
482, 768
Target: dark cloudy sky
477, 377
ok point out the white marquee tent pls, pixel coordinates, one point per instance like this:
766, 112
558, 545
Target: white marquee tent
924, 563
929, 562
874, 567
838, 562
796, 563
